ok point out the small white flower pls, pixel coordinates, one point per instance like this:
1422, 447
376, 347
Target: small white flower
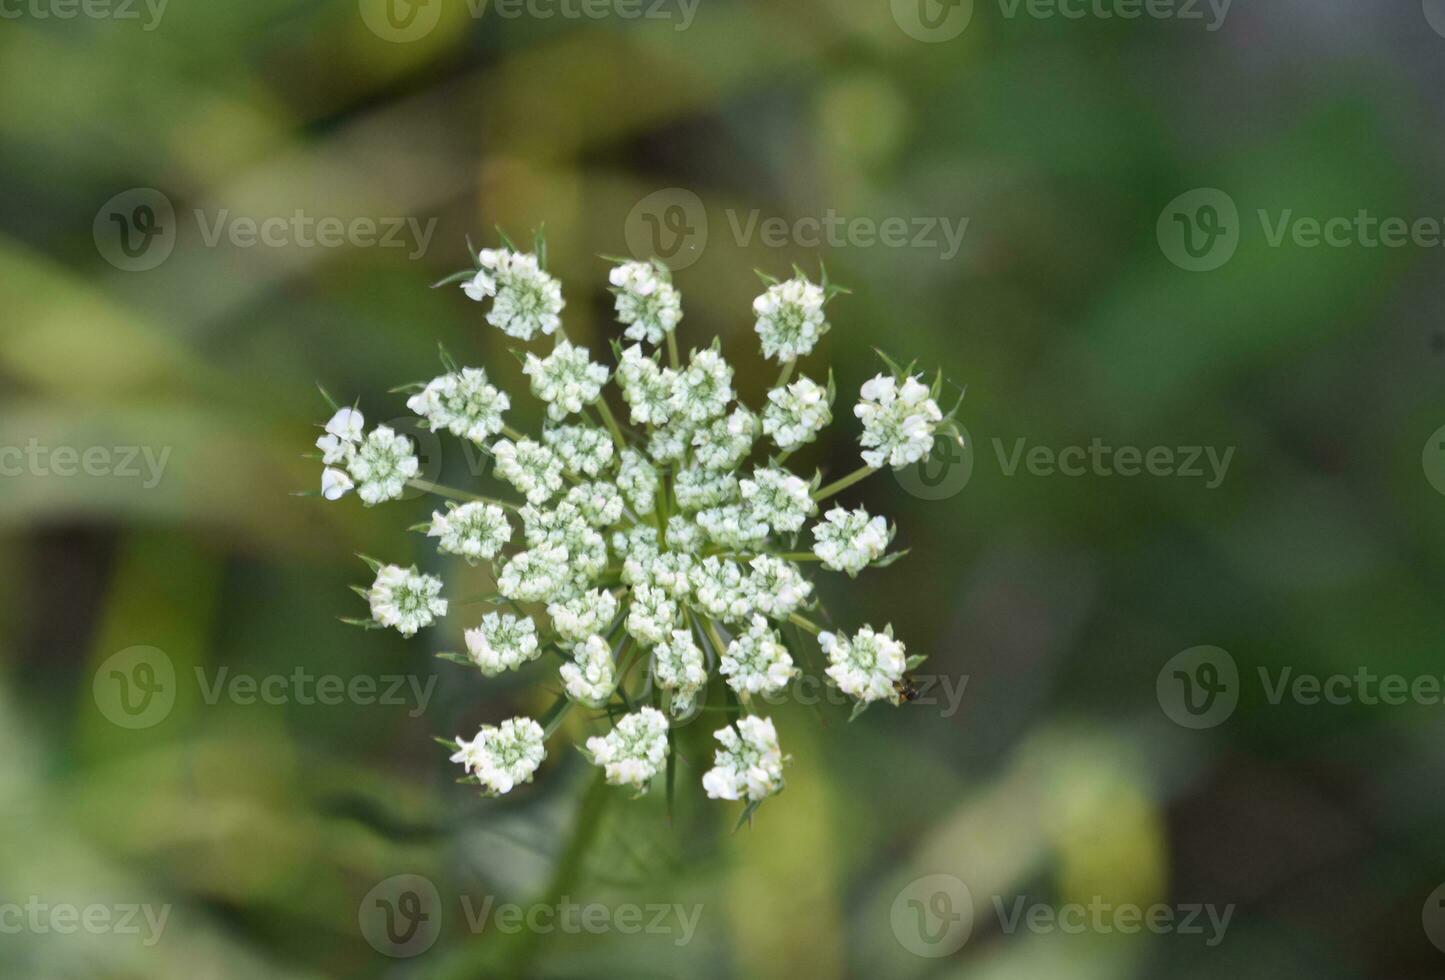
722, 590
647, 304
724, 443
638, 481
678, 666
584, 450
405, 598
733, 526
669, 443
867, 667
652, 616
529, 466
647, 388
778, 497
581, 615
683, 535
536, 575
566, 380
381, 465
749, 764
704, 388
480, 286
634, 751
589, 677
463, 403
848, 541
473, 530
504, 756
756, 661
668, 571
343, 432
335, 484
790, 319
796, 413
777, 587
898, 424
697, 489
599, 503
527, 299
502, 642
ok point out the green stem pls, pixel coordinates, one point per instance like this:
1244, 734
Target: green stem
611, 421
797, 619
797, 556
513, 434
843, 484
672, 357
451, 493
786, 373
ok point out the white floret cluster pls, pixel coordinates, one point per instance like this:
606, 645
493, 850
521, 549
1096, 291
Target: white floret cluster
648, 526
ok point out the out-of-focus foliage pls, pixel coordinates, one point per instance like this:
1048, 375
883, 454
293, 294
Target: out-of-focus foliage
1048, 604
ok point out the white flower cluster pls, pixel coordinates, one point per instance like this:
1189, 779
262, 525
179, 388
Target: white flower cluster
502, 643
503, 756
525, 299
790, 318
898, 423
647, 304
405, 598
666, 540
634, 751
377, 465
749, 765
463, 403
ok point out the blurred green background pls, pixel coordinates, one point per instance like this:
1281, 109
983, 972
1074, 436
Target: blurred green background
1042, 762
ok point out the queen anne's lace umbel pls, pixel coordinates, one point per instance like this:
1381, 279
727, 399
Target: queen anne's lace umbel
669, 541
